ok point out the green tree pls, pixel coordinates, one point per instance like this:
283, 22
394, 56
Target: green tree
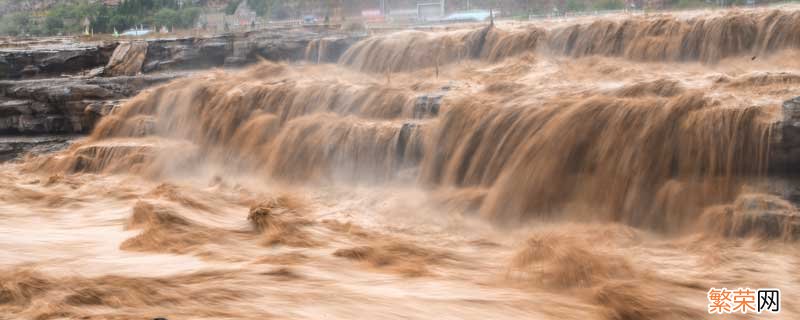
15, 24
188, 16
53, 24
167, 17
102, 20
120, 22
263, 8
576, 5
608, 4
231, 7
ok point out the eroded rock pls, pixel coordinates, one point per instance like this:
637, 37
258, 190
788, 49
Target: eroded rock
785, 140
65, 105
53, 60
127, 60
16, 146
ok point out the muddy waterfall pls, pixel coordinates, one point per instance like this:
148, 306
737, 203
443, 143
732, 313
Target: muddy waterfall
610, 169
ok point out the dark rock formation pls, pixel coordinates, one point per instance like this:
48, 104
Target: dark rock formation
64, 105
328, 50
758, 215
186, 53
785, 144
427, 105
58, 57
236, 49
127, 59
16, 146
52, 60
73, 105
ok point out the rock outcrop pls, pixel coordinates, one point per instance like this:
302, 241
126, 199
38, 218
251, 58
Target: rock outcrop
65, 105
785, 144
127, 59
56, 57
237, 49
14, 147
53, 60
760, 215
111, 72
186, 53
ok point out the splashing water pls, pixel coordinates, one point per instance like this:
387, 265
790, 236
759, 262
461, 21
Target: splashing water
611, 170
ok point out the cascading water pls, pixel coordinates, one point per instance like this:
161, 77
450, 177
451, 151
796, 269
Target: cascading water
585, 171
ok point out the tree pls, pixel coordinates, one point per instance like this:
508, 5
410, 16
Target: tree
102, 21
53, 24
576, 5
167, 17
120, 22
231, 7
189, 16
608, 4
15, 24
263, 8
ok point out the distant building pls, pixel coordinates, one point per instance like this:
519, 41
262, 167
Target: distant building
430, 10
403, 15
243, 16
212, 21
372, 15
112, 3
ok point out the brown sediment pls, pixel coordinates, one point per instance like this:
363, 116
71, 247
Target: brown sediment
404, 258
143, 156
564, 261
165, 231
660, 87
766, 79
173, 193
349, 229
633, 300
39, 296
755, 215
280, 220
291, 258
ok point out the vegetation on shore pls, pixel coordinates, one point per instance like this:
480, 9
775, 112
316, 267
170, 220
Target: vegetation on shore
70, 16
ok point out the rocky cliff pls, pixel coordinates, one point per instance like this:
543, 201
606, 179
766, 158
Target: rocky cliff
65, 105
232, 49
58, 87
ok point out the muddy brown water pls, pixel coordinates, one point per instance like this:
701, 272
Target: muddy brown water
544, 185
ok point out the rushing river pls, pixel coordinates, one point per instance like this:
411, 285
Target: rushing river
618, 169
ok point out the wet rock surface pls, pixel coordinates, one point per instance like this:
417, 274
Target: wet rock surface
14, 147
759, 215
785, 140
186, 53
38, 95
237, 49
65, 56
428, 105
65, 105
53, 60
